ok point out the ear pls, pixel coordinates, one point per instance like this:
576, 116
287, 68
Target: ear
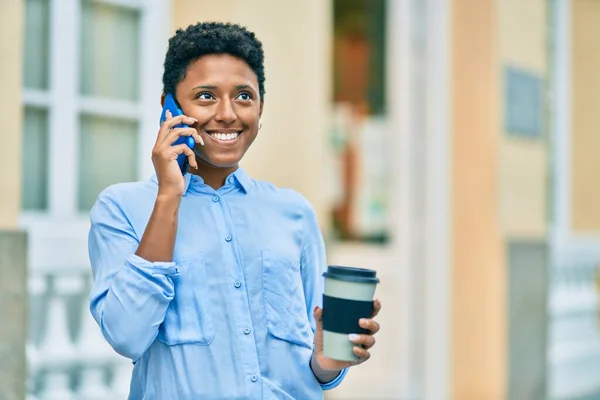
262, 103
162, 99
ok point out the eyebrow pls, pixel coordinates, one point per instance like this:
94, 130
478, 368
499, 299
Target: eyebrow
213, 87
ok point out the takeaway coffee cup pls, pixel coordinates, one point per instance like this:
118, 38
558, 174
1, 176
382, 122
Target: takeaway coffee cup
348, 297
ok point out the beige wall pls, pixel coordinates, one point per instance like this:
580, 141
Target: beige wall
586, 116
522, 40
11, 41
296, 37
13, 244
499, 182
478, 302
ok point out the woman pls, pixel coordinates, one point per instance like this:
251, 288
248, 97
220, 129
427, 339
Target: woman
209, 281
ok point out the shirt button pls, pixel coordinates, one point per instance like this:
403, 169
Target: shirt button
228, 238
237, 284
216, 198
254, 378
247, 331
230, 180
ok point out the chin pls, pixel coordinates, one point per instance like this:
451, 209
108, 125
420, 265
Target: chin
220, 162
225, 164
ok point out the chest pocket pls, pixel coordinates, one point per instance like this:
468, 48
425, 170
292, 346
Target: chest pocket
188, 319
285, 308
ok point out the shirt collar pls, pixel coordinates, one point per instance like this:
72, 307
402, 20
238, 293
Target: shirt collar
239, 178
242, 179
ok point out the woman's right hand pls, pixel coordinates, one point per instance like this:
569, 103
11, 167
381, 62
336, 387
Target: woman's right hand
164, 155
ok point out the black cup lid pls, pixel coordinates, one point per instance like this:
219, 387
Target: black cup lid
351, 274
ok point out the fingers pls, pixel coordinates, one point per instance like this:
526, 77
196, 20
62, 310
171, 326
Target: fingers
185, 149
170, 122
376, 307
369, 324
362, 353
363, 341
318, 312
172, 152
176, 133
363, 344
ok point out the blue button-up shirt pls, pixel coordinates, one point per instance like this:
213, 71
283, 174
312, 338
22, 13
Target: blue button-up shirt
231, 316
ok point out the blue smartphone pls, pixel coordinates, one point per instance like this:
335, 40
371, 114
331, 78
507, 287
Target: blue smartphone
171, 105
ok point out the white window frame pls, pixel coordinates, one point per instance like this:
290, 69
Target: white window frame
65, 105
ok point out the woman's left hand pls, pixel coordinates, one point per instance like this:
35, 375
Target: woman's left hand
363, 342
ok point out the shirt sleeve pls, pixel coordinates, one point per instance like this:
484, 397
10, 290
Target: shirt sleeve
129, 295
313, 264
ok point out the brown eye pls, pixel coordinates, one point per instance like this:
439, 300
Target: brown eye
244, 96
205, 96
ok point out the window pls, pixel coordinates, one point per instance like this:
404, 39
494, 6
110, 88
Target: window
36, 75
107, 150
109, 69
37, 34
109, 51
91, 77
35, 159
360, 145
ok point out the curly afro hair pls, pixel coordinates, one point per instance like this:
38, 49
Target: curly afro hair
186, 46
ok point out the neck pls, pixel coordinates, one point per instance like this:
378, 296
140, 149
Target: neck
211, 175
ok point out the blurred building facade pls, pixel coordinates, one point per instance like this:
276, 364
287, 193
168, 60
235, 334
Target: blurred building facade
449, 145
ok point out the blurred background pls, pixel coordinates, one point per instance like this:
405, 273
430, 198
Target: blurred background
449, 144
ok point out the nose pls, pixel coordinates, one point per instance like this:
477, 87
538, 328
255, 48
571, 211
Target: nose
225, 112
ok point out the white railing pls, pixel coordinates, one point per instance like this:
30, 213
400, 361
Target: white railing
574, 335
69, 359
67, 356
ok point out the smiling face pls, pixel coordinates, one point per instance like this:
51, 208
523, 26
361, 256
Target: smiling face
222, 93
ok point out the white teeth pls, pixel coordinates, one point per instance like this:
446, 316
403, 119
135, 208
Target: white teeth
224, 136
